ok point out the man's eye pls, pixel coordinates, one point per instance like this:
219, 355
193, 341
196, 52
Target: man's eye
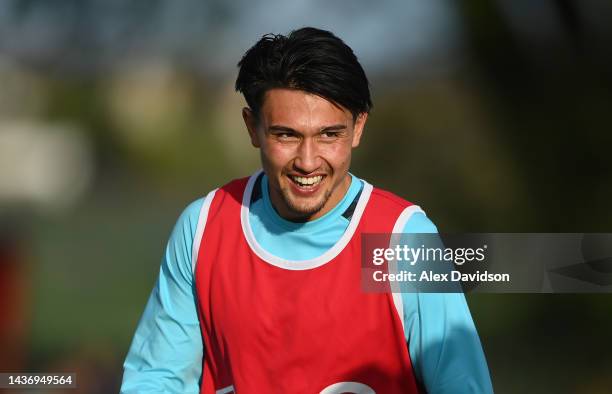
329, 134
285, 136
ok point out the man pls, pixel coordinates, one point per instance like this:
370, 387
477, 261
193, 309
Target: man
259, 289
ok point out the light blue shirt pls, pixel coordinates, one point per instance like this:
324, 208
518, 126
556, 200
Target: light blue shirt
166, 352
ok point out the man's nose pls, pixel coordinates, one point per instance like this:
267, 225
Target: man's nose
307, 159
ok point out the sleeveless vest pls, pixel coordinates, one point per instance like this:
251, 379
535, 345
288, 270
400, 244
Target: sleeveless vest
276, 326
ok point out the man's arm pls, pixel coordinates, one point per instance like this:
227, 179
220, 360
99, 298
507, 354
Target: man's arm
166, 352
443, 343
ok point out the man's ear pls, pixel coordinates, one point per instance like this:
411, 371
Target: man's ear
250, 121
358, 128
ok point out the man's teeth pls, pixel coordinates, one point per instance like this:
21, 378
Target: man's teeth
307, 181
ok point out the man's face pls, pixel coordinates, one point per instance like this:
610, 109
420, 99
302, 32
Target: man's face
305, 143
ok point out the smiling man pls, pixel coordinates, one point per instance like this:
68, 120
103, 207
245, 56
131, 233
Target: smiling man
260, 286
305, 142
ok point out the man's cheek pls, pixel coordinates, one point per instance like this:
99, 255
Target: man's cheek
272, 155
338, 156
282, 158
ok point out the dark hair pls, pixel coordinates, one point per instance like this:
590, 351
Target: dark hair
308, 59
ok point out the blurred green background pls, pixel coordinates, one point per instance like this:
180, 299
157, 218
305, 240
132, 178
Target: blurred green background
495, 116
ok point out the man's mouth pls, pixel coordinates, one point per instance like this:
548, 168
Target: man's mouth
306, 182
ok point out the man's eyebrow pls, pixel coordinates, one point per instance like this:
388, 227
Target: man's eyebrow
338, 126
281, 128
334, 127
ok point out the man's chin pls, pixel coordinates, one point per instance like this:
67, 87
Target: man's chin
303, 210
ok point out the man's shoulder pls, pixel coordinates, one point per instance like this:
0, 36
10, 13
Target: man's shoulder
197, 209
391, 198
388, 198
414, 221
188, 219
